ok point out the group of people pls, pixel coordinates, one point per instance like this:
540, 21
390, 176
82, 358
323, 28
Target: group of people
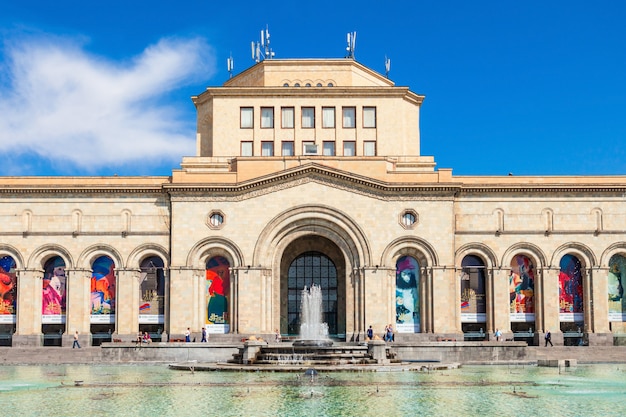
388, 335
143, 337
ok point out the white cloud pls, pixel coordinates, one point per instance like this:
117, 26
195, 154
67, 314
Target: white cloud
68, 106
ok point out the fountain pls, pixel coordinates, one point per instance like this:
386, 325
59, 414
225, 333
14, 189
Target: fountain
313, 332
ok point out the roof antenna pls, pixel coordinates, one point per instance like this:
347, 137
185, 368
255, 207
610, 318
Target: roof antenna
351, 45
387, 66
231, 65
261, 50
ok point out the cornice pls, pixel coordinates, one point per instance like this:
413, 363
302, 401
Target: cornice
312, 173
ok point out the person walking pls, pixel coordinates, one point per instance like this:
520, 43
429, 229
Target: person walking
548, 338
203, 335
370, 333
188, 335
498, 335
76, 344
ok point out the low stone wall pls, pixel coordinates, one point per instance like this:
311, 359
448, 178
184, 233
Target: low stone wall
464, 352
168, 352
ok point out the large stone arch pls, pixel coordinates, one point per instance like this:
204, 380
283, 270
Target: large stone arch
8, 250
321, 228
608, 253
318, 220
416, 247
478, 249
583, 252
214, 246
143, 251
45, 252
534, 252
86, 258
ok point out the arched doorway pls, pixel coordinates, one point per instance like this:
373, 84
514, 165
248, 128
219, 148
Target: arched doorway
473, 296
312, 268
312, 260
571, 309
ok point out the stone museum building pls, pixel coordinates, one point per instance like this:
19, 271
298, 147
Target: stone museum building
309, 172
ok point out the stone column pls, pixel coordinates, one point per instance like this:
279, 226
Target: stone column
127, 303
250, 301
181, 300
599, 300
78, 310
446, 315
500, 301
550, 304
28, 317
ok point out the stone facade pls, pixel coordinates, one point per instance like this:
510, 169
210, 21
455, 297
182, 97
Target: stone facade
362, 199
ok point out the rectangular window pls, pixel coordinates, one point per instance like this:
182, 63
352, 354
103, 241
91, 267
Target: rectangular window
287, 117
309, 148
369, 117
246, 148
349, 117
287, 148
247, 117
308, 117
349, 149
267, 148
328, 117
329, 149
369, 148
267, 117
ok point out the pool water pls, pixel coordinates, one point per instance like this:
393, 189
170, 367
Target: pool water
155, 390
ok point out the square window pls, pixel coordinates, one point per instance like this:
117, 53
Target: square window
246, 148
308, 117
287, 117
309, 148
247, 118
369, 148
349, 117
267, 117
328, 117
349, 148
267, 148
329, 149
369, 117
287, 148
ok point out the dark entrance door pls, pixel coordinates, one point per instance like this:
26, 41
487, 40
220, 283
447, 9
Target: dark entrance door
307, 269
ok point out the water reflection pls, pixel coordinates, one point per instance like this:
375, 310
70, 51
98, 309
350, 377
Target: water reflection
596, 390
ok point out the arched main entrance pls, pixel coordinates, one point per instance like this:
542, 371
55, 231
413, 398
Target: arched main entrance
313, 260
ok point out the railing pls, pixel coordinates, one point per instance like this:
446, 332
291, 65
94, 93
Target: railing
474, 335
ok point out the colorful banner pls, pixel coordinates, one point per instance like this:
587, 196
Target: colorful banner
570, 288
102, 288
8, 290
217, 292
522, 289
617, 302
54, 289
407, 295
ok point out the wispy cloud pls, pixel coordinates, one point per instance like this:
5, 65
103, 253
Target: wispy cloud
62, 104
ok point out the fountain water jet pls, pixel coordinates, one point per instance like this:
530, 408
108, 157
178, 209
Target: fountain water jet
313, 332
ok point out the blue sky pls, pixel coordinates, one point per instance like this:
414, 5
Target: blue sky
102, 88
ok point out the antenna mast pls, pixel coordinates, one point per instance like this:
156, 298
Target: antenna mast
231, 65
351, 45
387, 66
261, 50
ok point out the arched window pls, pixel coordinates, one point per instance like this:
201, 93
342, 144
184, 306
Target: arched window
407, 295
307, 269
54, 289
217, 294
8, 286
473, 296
152, 291
570, 289
617, 302
102, 288
522, 289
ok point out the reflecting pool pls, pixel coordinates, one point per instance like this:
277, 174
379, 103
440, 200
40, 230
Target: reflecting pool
155, 390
